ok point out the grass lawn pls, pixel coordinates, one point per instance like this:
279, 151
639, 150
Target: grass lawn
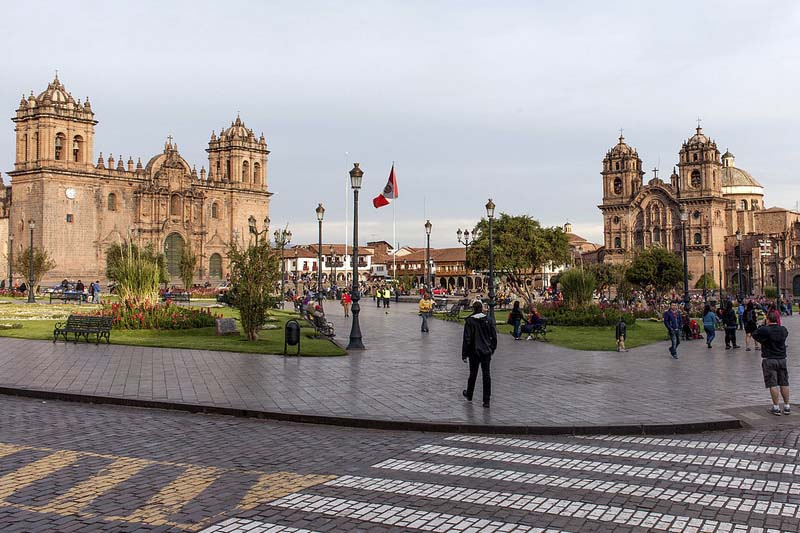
44, 317
599, 338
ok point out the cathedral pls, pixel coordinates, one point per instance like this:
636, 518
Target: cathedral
77, 206
709, 203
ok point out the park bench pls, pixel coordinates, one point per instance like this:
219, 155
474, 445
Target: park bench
82, 325
454, 311
322, 326
439, 306
67, 296
539, 331
177, 297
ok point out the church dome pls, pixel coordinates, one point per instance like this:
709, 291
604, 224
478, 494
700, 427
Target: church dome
736, 177
622, 148
55, 94
237, 130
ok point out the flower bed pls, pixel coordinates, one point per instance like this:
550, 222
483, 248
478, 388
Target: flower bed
158, 316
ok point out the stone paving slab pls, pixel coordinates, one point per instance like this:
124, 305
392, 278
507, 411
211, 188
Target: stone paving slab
408, 380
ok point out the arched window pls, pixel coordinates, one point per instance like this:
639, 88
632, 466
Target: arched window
77, 149
175, 205
695, 157
214, 210
744, 205
657, 235
228, 169
173, 249
257, 173
25, 147
36, 143
617, 186
245, 172
698, 239
112, 202
617, 242
215, 266
754, 204
60, 140
617, 166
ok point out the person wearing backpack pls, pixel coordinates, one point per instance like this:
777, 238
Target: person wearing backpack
478, 345
750, 325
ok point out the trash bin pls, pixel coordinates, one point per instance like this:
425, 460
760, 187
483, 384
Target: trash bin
291, 335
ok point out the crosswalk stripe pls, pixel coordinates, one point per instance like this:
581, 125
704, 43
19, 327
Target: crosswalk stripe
173, 496
244, 525
699, 460
536, 504
678, 476
76, 498
33, 472
399, 517
272, 486
608, 487
695, 444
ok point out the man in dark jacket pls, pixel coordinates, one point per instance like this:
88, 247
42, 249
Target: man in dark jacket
730, 319
772, 338
480, 342
673, 323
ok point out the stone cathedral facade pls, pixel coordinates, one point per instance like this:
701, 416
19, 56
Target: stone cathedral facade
81, 202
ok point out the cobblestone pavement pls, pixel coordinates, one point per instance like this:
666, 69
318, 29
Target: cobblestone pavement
407, 376
69, 467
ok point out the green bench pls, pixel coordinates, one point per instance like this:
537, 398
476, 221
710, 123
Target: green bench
83, 326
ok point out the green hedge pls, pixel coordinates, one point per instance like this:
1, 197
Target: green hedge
587, 316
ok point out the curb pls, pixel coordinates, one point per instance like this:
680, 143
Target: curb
397, 425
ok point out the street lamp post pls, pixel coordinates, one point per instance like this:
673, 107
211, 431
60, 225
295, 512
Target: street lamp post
10, 264
282, 238
31, 296
777, 277
296, 272
739, 266
684, 218
748, 280
428, 280
320, 214
466, 242
332, 251
356, 176
721, 272
490, 215
705, 293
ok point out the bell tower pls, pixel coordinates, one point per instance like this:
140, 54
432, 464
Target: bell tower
699, 167
622, 173
237, 157
54, 130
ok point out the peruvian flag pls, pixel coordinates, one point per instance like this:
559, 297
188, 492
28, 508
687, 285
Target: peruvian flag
389, 192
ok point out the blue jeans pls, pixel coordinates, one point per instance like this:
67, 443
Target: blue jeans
517, 332
675, 339
710, 334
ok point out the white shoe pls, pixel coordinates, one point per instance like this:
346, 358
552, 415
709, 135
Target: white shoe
529, 338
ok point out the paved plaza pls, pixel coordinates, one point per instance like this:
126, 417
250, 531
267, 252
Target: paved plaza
406, 379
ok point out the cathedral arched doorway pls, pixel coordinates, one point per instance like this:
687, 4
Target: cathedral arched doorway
796, 287
215, 266
173, 249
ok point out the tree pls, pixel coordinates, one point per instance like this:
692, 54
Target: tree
136, 273
577, 287
42, 264
187, 266
254, 270
709, 282
605, 275
521, 248
655, 271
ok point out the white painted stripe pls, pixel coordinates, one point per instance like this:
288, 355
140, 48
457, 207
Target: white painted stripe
697, 460
609, 487
243, 525
535, 504
695, 444
714, 480
399, 517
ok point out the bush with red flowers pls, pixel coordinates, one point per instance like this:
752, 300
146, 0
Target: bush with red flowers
167, 315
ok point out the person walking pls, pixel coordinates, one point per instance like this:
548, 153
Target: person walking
478, 346
710, 321
515, 318
387, 295
673, 323
347, 301
773, 362
730, 320
621, 333
750, 325
96, 293
425, 308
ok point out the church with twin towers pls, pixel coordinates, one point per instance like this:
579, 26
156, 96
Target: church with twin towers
717, 201
80, 201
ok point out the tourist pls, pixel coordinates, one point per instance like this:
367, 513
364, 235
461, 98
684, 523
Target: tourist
772, 338
346, 302
91, 291
534, 322
478, 345
673, 323
79, 286
710, 321
22, 288
96, 292
515, 319
621, 333
740, 314
730, 320
425, 308
750, 325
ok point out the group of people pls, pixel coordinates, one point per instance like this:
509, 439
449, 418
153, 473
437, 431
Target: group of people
769, 338
383, 295
532, 322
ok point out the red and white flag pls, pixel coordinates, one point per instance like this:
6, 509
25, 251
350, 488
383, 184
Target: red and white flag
389, 192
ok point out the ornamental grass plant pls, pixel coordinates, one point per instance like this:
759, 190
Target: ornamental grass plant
135, 272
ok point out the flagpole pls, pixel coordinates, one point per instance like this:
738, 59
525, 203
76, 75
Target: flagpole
346, 202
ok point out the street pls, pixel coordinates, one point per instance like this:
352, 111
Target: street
72, 467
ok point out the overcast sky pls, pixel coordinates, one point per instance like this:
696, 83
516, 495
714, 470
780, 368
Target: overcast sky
518, 101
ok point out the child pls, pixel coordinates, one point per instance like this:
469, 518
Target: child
622, 329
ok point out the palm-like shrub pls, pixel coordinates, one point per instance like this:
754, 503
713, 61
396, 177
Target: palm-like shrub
577, 286
135, 272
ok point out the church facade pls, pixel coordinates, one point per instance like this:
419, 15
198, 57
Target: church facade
706, 201
80, 205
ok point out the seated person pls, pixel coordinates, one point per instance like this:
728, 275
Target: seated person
319, 316
534, 322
